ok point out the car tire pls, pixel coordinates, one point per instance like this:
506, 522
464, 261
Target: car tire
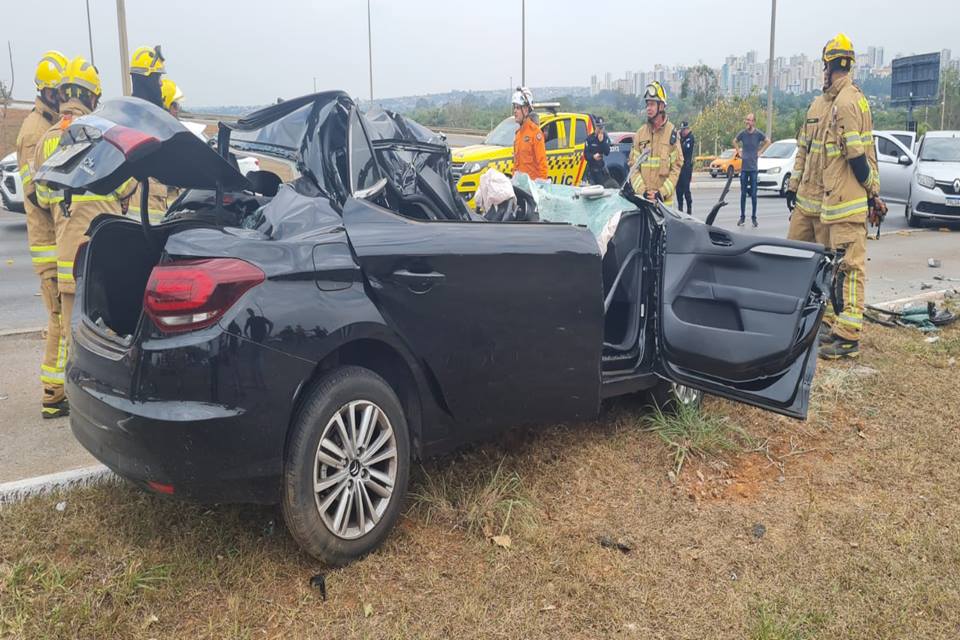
5, 201
912, 220
713, 173
784, 185
670, 396
730, 171
324, 524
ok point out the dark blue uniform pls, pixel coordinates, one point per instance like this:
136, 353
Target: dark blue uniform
596, 169
687, 144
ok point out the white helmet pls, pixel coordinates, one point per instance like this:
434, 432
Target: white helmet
523, 97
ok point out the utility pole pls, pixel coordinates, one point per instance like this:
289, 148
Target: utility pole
773, 28
370, 49
90, 35
523, 43
124, 47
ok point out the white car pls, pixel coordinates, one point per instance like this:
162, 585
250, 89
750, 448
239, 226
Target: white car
935, 188
896, 162
775, 164
246, 164
11, 189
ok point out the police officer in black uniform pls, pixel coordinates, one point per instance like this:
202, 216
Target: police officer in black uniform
687, 144
596, 147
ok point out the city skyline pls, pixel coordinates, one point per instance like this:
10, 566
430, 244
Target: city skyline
739, 75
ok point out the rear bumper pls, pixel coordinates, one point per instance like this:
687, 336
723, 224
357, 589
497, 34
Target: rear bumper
207, 449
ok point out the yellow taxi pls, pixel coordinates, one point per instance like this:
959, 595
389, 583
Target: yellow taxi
564, 135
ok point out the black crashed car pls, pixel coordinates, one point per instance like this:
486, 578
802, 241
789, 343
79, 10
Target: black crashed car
301, 339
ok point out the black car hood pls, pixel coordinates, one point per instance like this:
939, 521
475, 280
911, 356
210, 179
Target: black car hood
175, 156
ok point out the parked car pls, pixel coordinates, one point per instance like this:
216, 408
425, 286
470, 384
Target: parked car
775, 164
727, 164
303, 343
11, 188
564, 135
896, 163
907, 138
246, 164
934, 192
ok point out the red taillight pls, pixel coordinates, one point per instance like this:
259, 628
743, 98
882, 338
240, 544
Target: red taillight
129, 140
192, 294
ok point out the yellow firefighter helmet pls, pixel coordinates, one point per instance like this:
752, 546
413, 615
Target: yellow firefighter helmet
50, 70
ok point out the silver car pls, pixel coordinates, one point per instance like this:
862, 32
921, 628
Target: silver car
935, 187
11, 190
896, 162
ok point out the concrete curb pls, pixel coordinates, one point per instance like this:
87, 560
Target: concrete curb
928, 296
18, 490
18, 332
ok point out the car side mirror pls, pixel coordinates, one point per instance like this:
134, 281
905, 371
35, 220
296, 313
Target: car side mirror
372, 191
904, 160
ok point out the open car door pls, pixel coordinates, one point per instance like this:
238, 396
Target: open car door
739, 313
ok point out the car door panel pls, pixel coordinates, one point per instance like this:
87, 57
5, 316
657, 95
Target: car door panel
508, 317
739, 313
894, 177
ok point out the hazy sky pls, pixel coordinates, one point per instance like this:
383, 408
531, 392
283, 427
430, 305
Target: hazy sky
251, 52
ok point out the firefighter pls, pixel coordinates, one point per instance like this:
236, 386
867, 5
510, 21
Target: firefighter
851, 186
146, 67
41, 230
529, 147
596, 147
172, 97
805, 191
657, 146
79, 93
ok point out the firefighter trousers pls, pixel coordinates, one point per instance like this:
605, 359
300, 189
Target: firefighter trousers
55, 351
850, 284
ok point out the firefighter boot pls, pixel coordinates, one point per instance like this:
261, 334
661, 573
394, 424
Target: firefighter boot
840, 348
55, 408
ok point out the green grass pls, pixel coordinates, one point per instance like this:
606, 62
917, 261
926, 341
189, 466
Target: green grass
687, 431
772, 622
488, 503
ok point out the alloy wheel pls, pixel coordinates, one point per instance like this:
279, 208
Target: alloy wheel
684, 395
355, 469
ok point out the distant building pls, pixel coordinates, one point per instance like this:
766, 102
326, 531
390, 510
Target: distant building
742, 75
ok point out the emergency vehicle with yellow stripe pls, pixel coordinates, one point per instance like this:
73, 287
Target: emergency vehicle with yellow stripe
564, 135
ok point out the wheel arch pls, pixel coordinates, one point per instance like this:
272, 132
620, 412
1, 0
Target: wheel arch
417, 389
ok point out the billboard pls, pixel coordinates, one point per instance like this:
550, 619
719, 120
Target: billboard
915, 80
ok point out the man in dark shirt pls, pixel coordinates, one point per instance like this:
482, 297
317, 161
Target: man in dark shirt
687, 144
750, 142
596, 147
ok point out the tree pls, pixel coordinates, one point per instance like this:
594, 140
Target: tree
719, 122
700, 86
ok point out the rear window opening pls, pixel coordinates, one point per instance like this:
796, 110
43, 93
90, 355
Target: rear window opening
119, 261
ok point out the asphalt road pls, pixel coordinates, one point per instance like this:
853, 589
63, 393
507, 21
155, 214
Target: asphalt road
20, 303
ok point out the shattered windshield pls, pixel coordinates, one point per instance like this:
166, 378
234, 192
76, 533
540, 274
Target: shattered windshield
503, 135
